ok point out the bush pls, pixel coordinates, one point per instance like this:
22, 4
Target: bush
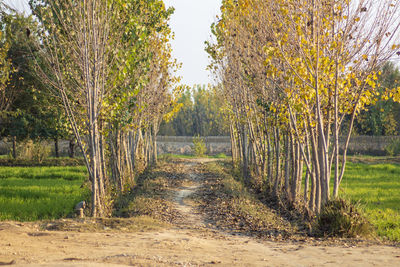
35, 151
221, 156
393, 149
200, 148
341, 218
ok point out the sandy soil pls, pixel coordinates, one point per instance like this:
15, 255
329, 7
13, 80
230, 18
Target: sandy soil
192, 243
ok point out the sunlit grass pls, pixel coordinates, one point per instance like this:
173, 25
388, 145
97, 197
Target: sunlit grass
377, 186
37, 193
184, 156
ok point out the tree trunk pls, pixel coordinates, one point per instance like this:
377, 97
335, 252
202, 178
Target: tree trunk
269, 156
278, 164
287, 164
245, 151
155, 155
306, 182
14, 147
233, 145
71, 150
56, 148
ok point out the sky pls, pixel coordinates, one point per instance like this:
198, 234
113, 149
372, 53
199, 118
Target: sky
21, 5
191, 24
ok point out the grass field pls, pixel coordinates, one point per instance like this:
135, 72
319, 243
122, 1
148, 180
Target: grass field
377, 187
37, 193
184, 156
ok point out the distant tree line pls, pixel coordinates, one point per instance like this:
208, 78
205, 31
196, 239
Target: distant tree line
201, 114
382, 118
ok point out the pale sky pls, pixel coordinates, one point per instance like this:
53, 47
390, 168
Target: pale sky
191, 23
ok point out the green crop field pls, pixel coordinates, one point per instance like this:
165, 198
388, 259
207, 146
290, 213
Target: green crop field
377, 187
37, 193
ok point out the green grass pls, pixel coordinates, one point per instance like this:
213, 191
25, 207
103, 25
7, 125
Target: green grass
51, 161
377, 186
182, 156
38, 193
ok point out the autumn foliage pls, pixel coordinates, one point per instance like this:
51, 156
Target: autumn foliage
292, 72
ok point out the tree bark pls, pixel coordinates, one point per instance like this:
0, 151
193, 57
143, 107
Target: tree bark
56, 148
14, 147
71, 151
278, 163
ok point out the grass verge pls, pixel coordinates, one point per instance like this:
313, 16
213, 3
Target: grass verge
136, 224
377, 188
62, 161
166, 157
39, 193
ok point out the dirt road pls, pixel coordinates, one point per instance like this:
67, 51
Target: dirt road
191, 243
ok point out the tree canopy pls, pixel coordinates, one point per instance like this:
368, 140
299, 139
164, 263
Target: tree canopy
296, 75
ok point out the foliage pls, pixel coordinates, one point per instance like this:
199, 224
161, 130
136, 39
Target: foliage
393, 149
199, 147
382, 118
221, 156
6, 68
200, 114
33, 151
48, 162
39, 193
110, 64
32, 112
295, 75
341, 218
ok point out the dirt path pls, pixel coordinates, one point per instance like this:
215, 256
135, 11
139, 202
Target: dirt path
190, 217
190, 244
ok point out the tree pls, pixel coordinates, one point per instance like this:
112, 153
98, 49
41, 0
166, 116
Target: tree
292, 71
6, 69
382, 118
25, 106
110, 64
201, 114
78, 53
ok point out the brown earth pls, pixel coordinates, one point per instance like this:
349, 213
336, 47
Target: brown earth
190, 238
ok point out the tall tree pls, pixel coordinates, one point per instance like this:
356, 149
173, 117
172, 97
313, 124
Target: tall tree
110, 64
292, 71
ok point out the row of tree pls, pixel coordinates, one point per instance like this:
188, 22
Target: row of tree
295, 75
100, 70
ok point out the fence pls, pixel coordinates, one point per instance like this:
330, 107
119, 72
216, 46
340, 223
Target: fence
368, 145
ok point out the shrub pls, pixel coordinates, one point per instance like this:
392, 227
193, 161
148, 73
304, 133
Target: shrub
200, 148
341, 218
221, 156
35, 151
393, 149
